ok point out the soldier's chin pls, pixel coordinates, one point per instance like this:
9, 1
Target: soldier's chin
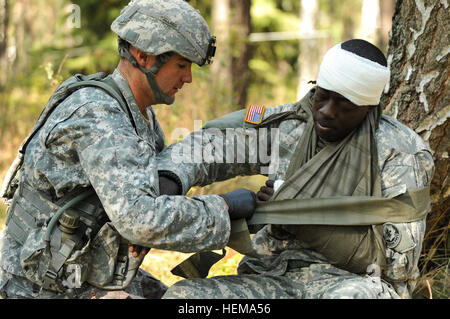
326, 133
172, 96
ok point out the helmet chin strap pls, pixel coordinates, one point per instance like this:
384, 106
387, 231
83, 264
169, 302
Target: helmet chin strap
160, 97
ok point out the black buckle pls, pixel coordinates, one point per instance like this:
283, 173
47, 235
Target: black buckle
51, 274
49, 279
211, 51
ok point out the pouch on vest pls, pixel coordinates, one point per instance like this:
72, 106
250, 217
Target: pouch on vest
62, 262
93, 252
111, 266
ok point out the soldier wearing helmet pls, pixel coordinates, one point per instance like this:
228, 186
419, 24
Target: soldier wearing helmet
158, 29
86, 184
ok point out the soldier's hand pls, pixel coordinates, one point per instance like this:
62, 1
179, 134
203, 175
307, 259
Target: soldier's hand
266, 192
137, 250
168, 186
241, 203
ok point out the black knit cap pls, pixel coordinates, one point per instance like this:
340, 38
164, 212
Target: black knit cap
365, 49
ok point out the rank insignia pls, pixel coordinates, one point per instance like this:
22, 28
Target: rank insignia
254, 114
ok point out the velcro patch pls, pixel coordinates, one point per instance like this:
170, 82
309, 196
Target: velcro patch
254, 114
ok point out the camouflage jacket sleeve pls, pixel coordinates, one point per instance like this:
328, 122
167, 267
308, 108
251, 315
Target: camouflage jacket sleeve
229, 147
90, 140
405, 163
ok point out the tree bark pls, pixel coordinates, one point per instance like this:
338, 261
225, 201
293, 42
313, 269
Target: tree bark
241, 50
221, 68
231, 74
418, 96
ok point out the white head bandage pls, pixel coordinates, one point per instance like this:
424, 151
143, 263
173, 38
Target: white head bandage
356, 78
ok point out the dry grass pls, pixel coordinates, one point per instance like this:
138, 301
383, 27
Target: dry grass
160, 262
435, 260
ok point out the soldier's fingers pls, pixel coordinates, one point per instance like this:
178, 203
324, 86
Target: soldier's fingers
267, 190
270, 183
263, 196
137, 250
260, 195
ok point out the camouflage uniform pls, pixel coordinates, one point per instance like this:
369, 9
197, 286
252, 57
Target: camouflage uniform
89, 140
284, 268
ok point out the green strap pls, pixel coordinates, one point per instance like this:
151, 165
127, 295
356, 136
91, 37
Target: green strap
348, 210
57, 261
198, 265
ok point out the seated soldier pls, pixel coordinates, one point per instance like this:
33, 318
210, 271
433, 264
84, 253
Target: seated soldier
364, 175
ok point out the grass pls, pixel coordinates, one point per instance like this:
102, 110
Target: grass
435, 260
160, 262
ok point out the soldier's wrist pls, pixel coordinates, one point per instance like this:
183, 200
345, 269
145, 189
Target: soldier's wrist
174, 177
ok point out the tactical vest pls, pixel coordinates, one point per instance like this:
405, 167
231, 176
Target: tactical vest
70, 241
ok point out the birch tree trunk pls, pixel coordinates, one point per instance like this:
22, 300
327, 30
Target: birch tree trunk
370, 20
231, 25
221, 68
418, 96
241, 51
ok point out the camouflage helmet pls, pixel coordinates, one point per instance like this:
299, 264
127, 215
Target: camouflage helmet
160, 26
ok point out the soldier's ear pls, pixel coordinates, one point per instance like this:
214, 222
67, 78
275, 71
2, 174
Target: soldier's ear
141, 57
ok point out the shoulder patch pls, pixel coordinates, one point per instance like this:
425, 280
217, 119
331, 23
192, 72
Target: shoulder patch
255, 114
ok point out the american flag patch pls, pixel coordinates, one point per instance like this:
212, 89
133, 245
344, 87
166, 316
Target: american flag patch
254, 114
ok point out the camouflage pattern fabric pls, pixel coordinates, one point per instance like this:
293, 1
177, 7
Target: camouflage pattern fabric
143, 286
404, 162
89, 140
318, 281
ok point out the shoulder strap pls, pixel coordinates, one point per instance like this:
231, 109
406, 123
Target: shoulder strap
107, 84
61, 93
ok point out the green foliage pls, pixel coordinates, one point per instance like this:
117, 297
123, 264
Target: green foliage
339, 17
269, 16
96, 18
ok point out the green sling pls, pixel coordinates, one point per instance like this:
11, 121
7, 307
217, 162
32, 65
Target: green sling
344, 225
